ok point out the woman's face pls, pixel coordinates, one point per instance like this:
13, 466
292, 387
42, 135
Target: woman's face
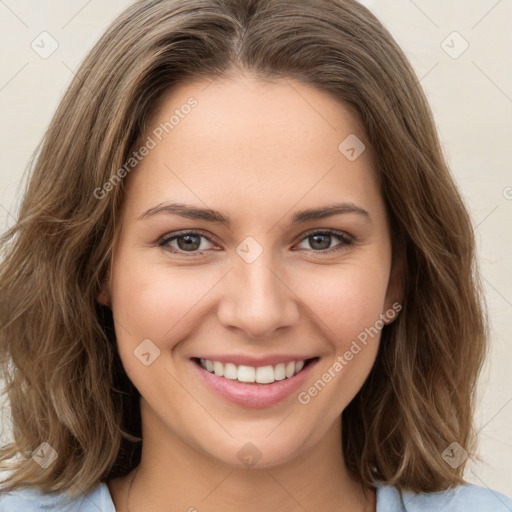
264, 277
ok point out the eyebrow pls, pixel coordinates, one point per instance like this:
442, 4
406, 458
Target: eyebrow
209, 215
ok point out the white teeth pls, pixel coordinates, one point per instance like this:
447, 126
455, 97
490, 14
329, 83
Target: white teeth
246, 373
218, 368
261, 374
265, 374
230, 371
280, 371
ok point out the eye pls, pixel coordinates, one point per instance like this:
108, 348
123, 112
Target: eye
320, 241
186, 242
191, 242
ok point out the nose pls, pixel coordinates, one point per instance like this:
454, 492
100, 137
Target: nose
257, 299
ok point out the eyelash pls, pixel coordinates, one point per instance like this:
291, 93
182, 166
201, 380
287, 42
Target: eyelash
342, 237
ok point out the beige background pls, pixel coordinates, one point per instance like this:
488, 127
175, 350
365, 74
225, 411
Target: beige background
470, 93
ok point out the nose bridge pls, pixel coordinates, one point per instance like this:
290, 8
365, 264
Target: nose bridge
257, 300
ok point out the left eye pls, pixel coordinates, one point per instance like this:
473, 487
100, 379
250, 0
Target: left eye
191, 242
320, 241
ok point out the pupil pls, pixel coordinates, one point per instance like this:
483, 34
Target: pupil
317, 239
192, 242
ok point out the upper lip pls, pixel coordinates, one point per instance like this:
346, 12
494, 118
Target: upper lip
256, 361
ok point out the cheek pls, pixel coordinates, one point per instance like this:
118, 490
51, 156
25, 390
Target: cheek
348, 304
347, 300
154, 301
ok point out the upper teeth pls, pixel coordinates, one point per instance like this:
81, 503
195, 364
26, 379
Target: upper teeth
260, 374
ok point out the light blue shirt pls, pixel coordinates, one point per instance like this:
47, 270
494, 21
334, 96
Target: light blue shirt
465, 498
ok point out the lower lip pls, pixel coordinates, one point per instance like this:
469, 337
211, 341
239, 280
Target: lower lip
254, 395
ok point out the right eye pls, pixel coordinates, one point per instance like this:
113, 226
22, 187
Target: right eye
187, 242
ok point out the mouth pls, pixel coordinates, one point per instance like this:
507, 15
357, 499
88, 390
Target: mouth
258, 386
254, 374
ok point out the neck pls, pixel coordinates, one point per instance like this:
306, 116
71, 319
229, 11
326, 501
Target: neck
173, 476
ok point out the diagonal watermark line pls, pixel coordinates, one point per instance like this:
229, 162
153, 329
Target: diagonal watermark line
487, 216
424, 13
279, 424
87, 498
427, 73
81, 80
13, 13
199, 403
496, 439
491, 490
8, 212
85, 495
301, 198
94, 96
93, 503
201, 298
286, 491
116, 321
14, 76
190, 188
492, 81
417, 83
487, 423
76, 14
69, 67
217, 486
286, 80
210, 82
301, 301
494, 288
486, 14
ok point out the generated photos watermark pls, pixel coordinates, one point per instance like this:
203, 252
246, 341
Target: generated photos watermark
157, 135
305, 397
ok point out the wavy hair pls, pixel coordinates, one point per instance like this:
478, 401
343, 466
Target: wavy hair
64, 381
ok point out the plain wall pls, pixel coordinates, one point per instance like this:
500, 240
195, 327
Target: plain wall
470, 93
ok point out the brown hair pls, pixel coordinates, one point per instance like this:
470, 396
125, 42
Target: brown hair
64, 380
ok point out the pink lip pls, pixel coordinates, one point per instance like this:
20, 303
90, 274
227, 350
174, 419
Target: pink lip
254, 395
256, 361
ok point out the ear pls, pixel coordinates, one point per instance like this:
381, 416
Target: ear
104, 295
395, 290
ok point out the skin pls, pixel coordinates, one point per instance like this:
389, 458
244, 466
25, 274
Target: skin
257, 152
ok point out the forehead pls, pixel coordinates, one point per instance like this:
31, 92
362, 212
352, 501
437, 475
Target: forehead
229, 109
252, 138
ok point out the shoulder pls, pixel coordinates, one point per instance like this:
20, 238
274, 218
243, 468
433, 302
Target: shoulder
33, 500
464, 498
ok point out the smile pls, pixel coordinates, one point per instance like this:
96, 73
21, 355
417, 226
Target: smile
259, 374
261, 385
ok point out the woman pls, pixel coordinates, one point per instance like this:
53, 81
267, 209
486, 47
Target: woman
242, 276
